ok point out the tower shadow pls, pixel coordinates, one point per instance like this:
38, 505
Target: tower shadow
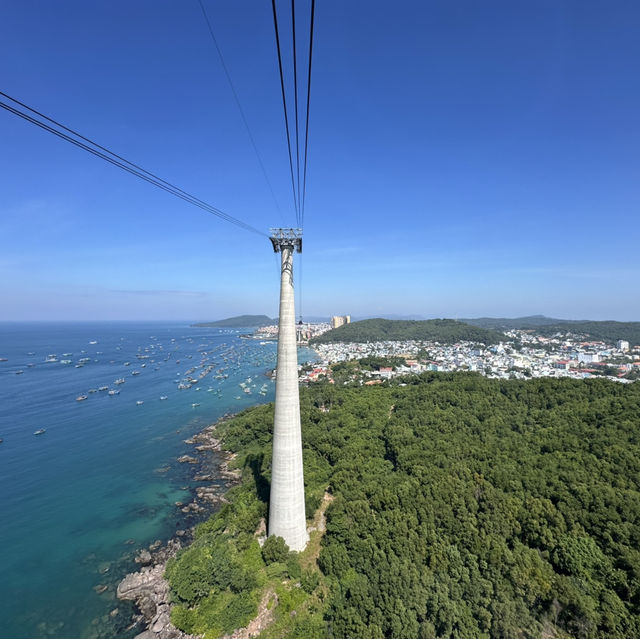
263, 486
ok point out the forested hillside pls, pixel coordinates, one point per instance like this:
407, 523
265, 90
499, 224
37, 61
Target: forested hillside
445, 331
240, 321
463, 507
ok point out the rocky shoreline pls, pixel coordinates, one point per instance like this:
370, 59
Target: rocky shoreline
148, 588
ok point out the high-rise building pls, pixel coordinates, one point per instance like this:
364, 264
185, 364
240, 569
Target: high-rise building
339, 320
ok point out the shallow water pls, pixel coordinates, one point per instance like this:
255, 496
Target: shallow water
105, 472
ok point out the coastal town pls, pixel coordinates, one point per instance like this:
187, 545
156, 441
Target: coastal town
523, 354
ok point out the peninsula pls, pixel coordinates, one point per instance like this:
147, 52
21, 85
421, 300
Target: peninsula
240, 321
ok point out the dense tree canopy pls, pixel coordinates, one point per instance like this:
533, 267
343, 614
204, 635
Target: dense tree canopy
240, 321
463, 507
445, 331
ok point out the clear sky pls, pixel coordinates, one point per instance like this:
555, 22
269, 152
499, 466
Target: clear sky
465, 159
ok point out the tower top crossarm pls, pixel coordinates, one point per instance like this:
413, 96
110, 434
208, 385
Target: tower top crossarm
283, 238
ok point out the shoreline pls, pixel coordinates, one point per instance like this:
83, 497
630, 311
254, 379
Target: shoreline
147, 588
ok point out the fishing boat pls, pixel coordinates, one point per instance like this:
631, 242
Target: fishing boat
114, 392
163, 397
139, 402
81, 398
195, 405
103, 388
119, 381
40, 431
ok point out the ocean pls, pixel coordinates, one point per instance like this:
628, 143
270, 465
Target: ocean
102, 481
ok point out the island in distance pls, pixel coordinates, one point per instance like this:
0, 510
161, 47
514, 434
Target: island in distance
240, 321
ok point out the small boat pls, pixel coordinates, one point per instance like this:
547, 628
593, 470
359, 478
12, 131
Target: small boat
93, 390
103, 388
163, 397
93, 341
195, 405
114, 392
135, 372
81, 398
119, 381
19, 372
139, 402
40, 431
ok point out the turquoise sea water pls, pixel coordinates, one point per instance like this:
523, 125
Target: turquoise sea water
104, 473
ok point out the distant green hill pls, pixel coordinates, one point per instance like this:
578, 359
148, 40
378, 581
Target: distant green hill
241, 321
446, 331
607, 331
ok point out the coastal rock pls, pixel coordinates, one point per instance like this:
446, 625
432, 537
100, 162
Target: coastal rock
150, 591
204, 447
208, 494
148, 588
193, 507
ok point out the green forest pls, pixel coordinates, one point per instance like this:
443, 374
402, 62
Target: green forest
456, 506
240, 321
445, 331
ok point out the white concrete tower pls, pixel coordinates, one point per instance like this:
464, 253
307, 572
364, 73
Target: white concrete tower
286, 503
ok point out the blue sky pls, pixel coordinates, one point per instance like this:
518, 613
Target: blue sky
465, 159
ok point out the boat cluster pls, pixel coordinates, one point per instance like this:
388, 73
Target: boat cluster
217, 362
